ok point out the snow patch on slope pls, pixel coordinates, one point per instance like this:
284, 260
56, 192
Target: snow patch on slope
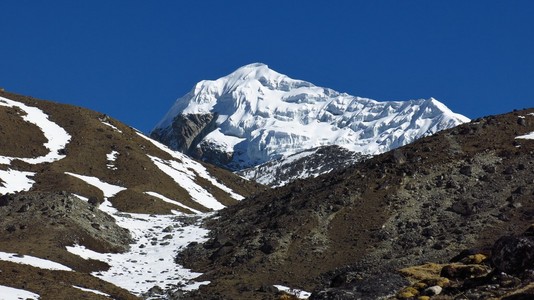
109, 190
91, 291
112, 157
13, 181
57, 137
300, 294
157, 241
9, 293
191, 167
165, 199
33, 261
186, 179
528, 136
110, 125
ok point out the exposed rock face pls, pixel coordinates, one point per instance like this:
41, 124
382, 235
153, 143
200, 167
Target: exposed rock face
25, 214
308, 163
185, 132
212, 153
513, 254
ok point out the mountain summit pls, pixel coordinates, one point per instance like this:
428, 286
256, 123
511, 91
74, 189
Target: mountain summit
255, 115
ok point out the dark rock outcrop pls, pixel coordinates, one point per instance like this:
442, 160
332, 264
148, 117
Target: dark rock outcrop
185, 132
56, 211
308, 163
513, 254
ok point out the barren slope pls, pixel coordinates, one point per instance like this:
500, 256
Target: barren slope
461, 188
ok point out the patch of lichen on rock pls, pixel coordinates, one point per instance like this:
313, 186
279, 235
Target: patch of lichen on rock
430, 279
285, 296
427, 281
459, 271
475, 259
407, 293
422, 272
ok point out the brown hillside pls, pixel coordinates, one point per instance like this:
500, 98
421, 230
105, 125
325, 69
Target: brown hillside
461, 188
46, 219
91, 141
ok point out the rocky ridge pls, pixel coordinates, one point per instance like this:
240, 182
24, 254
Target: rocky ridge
308, 163
26, 216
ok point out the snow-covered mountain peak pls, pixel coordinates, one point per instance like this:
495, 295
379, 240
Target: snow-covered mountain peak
255, 114
254, 71
252, 74
244, 87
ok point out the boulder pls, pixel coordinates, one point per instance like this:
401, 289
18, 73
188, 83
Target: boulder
513, 254
433, 290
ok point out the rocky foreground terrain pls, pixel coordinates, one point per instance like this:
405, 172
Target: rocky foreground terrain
347, 234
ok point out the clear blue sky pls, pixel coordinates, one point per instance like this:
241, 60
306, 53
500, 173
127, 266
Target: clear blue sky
133, 59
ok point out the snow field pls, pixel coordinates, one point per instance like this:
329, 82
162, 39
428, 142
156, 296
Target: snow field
150, 261
157, 241
9, 293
